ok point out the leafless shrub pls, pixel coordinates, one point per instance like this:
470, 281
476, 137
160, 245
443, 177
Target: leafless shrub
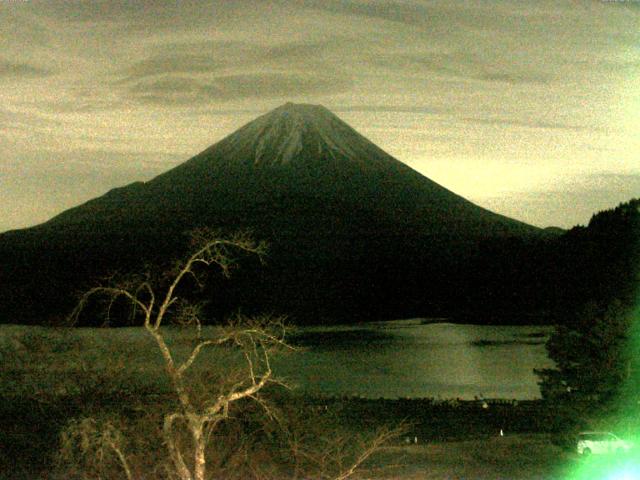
91, 448
220, 421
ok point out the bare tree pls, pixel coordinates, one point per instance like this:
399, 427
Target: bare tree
199, 415
255, 337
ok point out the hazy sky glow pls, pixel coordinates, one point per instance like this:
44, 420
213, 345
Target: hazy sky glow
531, 109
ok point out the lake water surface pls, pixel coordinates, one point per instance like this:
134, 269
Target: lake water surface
417, 358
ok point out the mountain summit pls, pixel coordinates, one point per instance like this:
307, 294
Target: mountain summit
351, 228
300, 133
292, 136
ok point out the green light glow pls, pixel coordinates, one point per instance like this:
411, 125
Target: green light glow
624, 420
607, 468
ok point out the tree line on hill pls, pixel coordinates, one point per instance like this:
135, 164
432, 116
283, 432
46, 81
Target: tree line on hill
516, 279
596, 346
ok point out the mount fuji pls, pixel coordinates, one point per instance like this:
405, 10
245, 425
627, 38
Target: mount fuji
296, 156
353, 232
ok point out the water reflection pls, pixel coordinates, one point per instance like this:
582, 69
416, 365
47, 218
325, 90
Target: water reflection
415, 358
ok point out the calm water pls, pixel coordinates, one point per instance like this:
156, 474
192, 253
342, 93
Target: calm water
413, 358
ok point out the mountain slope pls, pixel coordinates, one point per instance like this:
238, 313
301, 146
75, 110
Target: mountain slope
353, 231
299, 151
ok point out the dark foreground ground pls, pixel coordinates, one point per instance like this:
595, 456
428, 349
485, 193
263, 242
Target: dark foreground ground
443, 440
48, 378
513, 457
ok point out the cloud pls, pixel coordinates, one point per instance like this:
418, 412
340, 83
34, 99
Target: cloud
105, 10
300, 51
172, 90
217, 61
22, 70
22, 28
510, 122
392, 109
393, 11
627, 186
493, 42
212, 56
620, 66
440, 18
495, 74
192, 73
148, 16
458, 65
174, 63
81, 105
571, 202
179, 12
14, 121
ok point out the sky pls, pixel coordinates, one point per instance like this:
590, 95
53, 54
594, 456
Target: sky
528, 108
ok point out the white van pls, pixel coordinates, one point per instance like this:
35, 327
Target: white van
601, 443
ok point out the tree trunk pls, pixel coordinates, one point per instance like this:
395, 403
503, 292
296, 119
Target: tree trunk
174, 451
200, 462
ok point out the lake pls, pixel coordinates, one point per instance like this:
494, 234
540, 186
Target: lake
418, 358
405, 358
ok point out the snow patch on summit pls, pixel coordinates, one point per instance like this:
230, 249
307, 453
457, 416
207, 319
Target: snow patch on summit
301, 134
281, 135
284, 131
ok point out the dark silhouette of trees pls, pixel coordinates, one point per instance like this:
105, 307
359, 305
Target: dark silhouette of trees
595, 345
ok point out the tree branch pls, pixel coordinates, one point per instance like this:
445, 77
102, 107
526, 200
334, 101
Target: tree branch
196, 351
174, 451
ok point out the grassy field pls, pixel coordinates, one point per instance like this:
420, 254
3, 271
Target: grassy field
512, 457
49, 377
